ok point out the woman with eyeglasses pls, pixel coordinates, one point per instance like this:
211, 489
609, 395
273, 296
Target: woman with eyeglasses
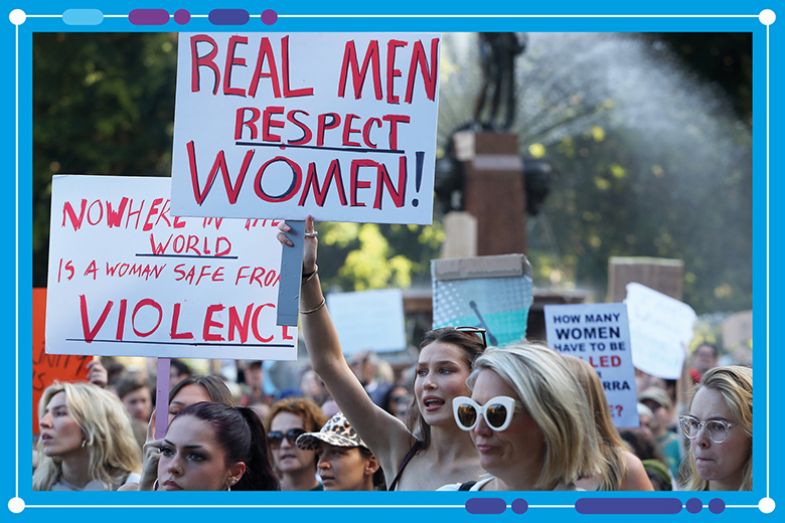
430, 450
719, 428
288, 419
621, 469
529, 421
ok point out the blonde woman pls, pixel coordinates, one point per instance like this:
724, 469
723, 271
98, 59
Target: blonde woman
529, 421
622, 470
86, 440
719, 427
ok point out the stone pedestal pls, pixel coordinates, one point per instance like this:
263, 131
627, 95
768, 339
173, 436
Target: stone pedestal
493, 190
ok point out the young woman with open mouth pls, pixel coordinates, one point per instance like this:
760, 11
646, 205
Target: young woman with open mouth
431, 450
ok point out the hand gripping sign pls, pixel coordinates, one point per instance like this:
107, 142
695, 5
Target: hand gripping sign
127, 277
338, 126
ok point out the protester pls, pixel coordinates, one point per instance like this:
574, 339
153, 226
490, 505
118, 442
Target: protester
289, 419
365, 366
178, 371
198, 388
529, 420
621, 470
86, 441
136, 398
719, 427
669, 443
397, 402
187, 392
704, 357
252, 391
313, 388
211, 446
431, 451
345, 461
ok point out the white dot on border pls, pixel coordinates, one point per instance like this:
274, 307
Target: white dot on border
766, 505
17, 17
16, 505
767, 17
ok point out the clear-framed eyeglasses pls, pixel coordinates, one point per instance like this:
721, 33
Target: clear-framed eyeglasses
716, 429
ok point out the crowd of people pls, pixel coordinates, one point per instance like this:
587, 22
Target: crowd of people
467, 417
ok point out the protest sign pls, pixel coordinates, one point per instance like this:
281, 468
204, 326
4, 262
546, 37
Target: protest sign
492, 292
599, 334
126, 277
660, 329
273, 125
370, 320
50, 368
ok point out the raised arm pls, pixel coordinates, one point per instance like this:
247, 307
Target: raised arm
386, 435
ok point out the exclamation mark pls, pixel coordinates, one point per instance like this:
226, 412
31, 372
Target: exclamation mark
420, 156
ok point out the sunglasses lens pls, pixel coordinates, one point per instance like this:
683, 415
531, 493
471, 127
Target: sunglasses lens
293, 434
467, 416
496, 415
275, 438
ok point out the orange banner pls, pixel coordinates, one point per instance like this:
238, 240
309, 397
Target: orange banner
50, 367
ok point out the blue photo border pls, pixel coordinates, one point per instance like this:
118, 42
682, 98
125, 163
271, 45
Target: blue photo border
407, 15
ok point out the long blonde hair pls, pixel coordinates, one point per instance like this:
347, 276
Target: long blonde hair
734, 383
551, 395
114, 452
611, 445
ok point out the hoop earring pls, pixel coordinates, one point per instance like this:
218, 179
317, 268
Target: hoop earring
84, 443
155, 484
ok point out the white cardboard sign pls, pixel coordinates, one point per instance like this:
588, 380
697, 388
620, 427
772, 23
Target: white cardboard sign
128, 278
369, 320
598, 334
275, 125
661, 328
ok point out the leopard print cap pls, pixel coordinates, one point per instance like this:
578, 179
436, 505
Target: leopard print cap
337, 432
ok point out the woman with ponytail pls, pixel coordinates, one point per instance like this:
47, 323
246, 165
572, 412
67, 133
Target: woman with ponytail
211, 446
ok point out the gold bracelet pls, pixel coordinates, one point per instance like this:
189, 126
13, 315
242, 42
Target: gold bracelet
321, 305
308, 277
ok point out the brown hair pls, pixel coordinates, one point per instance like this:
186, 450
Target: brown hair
312, 415
215, 387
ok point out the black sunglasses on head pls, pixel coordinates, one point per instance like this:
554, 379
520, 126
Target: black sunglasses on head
275, 437
479, 331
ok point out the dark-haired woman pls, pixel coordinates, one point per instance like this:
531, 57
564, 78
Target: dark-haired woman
191, 390
210, 446
431, 450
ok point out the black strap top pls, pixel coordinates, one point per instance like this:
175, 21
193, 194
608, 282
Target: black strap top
418, 445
